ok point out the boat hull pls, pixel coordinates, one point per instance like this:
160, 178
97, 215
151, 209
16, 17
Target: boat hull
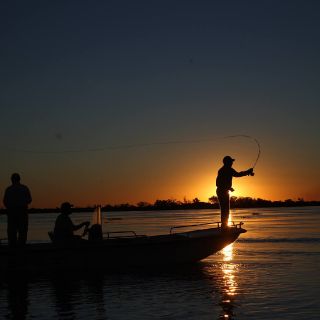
154, 251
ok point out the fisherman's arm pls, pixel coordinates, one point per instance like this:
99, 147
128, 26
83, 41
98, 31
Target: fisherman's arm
28, 196
79, 226
248, 172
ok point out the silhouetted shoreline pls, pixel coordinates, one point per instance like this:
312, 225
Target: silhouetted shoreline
172, 204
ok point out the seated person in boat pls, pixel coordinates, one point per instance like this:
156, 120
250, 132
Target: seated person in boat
64, 227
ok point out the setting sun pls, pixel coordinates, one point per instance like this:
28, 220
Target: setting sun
153, 111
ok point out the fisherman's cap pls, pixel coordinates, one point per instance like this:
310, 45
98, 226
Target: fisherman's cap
66, 206
228, 159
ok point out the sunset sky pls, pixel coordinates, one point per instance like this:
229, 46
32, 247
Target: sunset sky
84, 83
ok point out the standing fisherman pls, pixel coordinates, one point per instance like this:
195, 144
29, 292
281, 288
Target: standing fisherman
224, 185
16, 199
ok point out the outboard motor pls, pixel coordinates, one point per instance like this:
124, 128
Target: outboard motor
95, 232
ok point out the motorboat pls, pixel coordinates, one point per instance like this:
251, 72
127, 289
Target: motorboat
123, 249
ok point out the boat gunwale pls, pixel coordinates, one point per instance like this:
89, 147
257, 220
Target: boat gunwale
85, 245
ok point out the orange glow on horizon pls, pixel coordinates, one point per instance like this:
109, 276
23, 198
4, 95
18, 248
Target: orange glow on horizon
116, 187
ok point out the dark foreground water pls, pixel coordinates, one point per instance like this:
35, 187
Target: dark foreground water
271, 272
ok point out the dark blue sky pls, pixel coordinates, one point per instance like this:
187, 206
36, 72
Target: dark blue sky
86, 74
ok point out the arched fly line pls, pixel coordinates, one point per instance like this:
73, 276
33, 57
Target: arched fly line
139, 145
255, 140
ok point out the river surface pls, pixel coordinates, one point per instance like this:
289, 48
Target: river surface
271, 272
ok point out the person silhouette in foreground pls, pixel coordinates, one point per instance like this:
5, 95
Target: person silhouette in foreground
16, 199
224, 185
64, 227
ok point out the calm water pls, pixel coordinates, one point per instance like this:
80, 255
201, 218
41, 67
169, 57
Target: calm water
271, 272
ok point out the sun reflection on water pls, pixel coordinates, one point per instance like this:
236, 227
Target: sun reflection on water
228, 253
229, 283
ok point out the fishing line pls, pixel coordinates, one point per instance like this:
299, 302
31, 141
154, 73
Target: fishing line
252, 138
139, 145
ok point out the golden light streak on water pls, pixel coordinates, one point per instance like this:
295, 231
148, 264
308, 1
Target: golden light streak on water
229, 282
228, 270
228, 253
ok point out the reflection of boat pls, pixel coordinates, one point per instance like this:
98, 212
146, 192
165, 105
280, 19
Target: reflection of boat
120, 249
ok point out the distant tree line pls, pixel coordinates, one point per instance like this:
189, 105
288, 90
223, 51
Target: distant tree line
213, 203
172, 204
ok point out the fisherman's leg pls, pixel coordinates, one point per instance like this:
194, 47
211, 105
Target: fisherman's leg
226, 211
23, 229
12, 230
223, 198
